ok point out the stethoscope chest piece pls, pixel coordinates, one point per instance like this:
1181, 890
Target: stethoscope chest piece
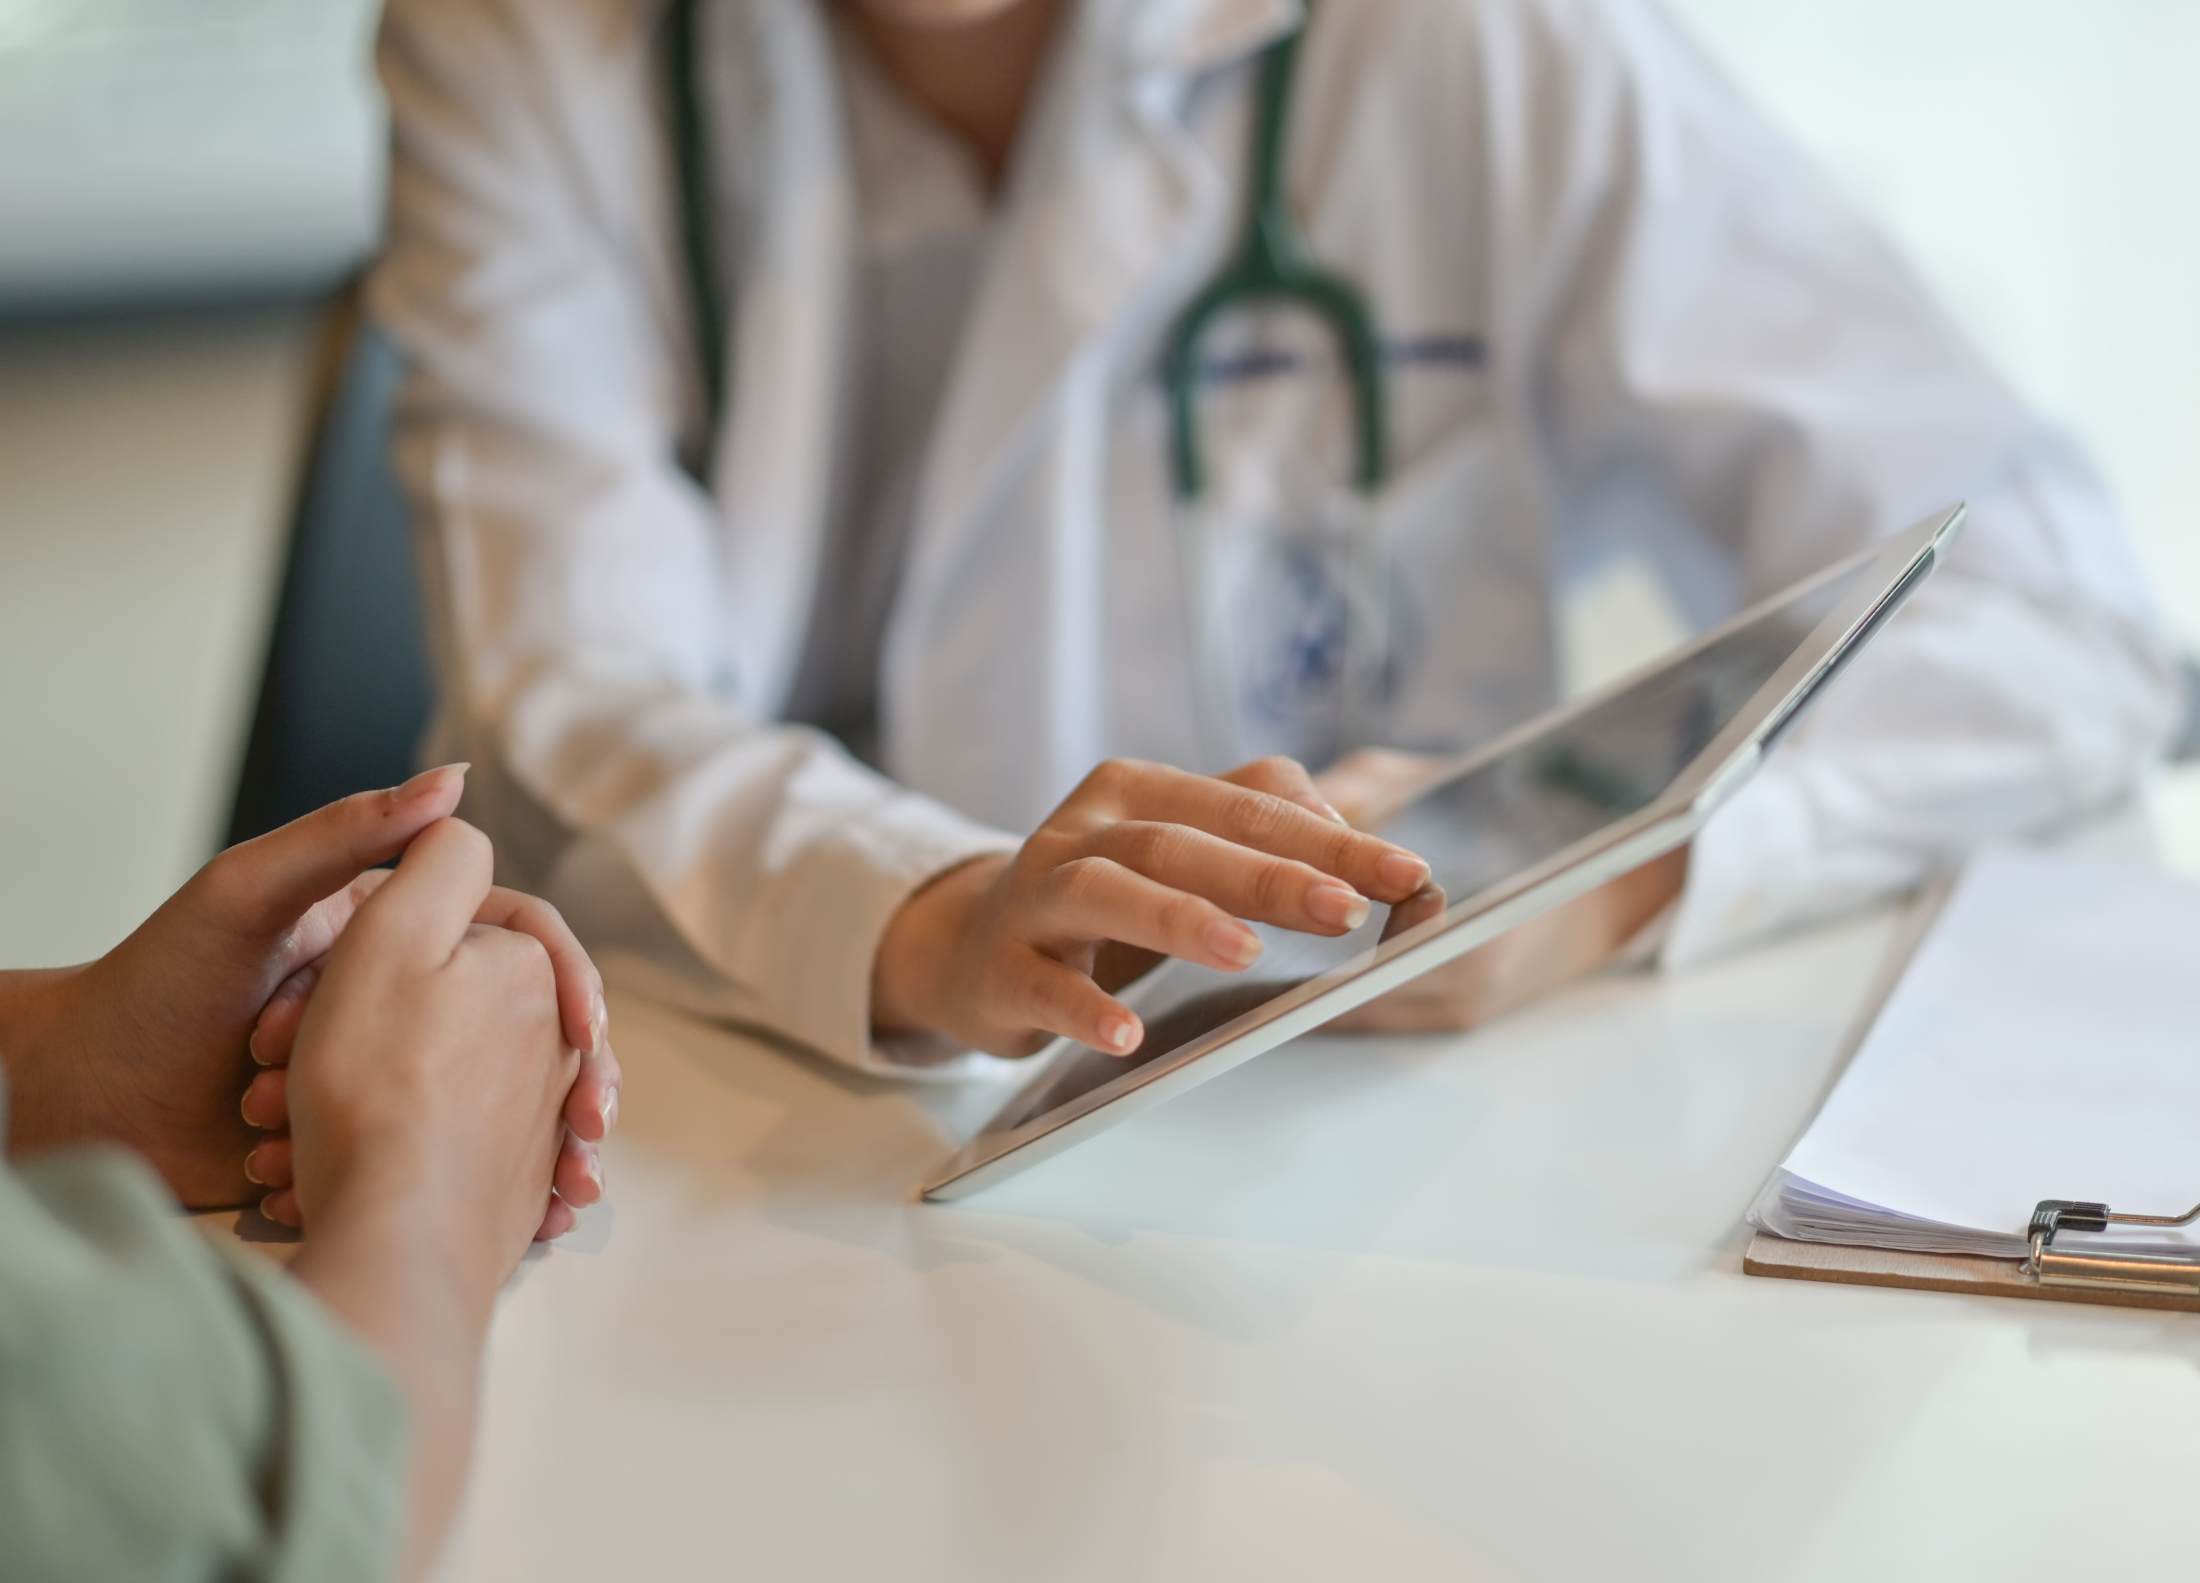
1304, 631
1297, 620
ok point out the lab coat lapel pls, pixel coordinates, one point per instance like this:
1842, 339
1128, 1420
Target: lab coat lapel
781, 162
1107, 188
1110, 195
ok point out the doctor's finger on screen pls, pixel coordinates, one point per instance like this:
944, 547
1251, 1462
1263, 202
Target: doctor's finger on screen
1142, 861
1526, 962
1372, 786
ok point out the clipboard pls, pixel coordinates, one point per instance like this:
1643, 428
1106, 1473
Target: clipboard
2046, 1273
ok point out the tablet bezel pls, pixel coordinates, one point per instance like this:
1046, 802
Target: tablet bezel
1668, 821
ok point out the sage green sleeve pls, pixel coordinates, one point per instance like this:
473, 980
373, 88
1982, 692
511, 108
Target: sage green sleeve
171, 1410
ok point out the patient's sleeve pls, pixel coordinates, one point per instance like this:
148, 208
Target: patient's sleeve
171, 1412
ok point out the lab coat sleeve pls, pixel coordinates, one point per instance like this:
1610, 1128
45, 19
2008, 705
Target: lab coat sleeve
1733, 370
169, 1413
744, 869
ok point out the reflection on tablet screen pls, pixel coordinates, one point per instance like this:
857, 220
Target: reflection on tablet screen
1482, 827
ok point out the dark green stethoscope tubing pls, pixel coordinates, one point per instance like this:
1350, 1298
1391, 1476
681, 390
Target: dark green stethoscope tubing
698, 242
1272, 265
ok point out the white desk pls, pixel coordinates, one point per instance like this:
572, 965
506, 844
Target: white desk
1453, 1308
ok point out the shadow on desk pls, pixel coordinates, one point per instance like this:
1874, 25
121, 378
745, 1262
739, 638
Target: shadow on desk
1614, 1136
727, 1122
1444, 1152
2061, 1331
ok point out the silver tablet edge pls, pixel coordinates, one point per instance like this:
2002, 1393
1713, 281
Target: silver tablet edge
1700, 788
1315, 1006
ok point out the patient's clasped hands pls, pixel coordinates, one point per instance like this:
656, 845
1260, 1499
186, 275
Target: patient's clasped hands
388, 988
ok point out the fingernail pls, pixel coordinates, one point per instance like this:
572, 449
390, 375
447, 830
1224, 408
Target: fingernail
1339, 906
267, 1207
252, 1048
425, 782
1119, 1034
610, 1110
250, 1174
244, 1108
595, 1169
599, 1024
1331, 809
1402, 871
1233, 943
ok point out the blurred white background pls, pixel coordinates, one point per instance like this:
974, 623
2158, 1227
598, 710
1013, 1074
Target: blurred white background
160, 148
2032, 156
2036, 159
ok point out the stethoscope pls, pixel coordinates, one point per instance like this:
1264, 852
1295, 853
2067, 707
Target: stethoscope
1272, 266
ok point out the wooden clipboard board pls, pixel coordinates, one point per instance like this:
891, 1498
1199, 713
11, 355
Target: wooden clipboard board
1932, 1272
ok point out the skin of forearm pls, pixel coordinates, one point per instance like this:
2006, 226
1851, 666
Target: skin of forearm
911, 966
423, 1309
45, 1103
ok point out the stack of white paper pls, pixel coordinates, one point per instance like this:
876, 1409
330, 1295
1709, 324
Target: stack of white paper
2043, 1043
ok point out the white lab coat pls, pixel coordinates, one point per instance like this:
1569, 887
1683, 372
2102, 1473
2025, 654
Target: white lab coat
1622, 312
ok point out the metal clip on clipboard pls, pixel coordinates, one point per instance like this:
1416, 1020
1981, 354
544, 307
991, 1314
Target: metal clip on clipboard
2168, 1274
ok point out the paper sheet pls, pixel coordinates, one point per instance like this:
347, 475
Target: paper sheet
2044, 1043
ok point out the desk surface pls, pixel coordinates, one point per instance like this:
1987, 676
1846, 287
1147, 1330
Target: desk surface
1443, 1308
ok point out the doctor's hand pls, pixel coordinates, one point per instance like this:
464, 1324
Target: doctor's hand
1141, 862
1518, 967
147, 1047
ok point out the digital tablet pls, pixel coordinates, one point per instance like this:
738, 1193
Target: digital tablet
1544, 814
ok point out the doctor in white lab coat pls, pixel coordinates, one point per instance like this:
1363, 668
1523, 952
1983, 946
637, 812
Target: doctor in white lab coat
790, 744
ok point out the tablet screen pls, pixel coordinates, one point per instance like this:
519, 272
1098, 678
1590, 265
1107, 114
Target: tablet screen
1491, 822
